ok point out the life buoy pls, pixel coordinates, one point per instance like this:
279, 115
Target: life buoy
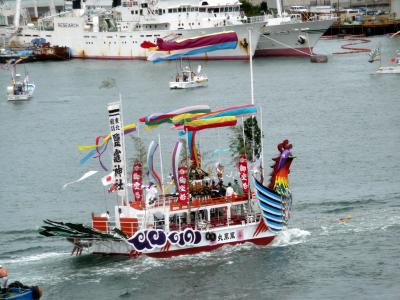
213, 236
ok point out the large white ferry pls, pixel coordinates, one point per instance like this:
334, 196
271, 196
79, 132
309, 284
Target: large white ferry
118, 34
94, 30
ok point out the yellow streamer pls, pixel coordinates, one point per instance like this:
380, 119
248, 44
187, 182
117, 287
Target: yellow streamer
105, 140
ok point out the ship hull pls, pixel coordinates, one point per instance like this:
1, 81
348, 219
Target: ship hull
291, 39
253, 232
70, 32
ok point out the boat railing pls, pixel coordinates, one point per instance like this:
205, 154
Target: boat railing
173, 203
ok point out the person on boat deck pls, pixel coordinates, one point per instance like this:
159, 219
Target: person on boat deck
151, 193
229, 190
105, 215
121, 214
185, 78
221, 189
236, 187
3, 277
214, 189
177, 77
207, 190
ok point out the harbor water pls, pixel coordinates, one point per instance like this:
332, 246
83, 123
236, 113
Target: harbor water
344, 124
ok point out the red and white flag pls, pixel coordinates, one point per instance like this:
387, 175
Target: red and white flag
108, 179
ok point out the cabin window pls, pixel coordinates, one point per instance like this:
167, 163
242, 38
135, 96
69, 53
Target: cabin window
179, 9
218, 216
175, 10
141, 12
163, 11
144, 5
170, 10
184, 9
204, 3
202, 9
178, 221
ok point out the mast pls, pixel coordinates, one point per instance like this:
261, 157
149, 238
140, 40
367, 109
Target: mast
17, 14
162, 171
279, 7
252, 89
35, 9
52, 8
251, 69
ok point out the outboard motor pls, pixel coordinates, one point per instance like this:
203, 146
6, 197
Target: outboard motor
116, 3
76, 4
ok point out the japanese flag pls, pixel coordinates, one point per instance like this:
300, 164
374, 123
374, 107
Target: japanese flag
108, 179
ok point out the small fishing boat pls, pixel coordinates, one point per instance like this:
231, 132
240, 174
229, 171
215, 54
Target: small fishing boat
187, 79
16, 294
375, 55
388, 70
20, 89
174, 49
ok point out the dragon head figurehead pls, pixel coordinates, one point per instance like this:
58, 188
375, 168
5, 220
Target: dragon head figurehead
280, 169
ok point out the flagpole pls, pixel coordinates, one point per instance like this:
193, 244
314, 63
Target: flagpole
262, 146
162, 171
251, 69
124, 155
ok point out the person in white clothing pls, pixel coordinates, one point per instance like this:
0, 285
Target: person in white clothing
151, 194
229, 190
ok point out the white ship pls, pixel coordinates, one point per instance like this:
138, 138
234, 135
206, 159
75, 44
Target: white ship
94, 30
118, 34
283, 36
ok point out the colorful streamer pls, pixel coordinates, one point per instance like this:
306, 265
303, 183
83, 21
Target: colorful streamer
100, 147
234, 111
151, 173
129, 128
175, 161
197, 125
174, 49
160, 118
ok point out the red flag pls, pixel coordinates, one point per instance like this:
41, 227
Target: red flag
183, 185
137, 181
244, 173
113, 188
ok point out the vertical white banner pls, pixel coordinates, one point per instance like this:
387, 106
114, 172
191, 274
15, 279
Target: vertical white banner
118, 157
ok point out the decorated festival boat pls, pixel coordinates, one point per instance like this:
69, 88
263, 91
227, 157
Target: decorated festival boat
202, 214
197, 216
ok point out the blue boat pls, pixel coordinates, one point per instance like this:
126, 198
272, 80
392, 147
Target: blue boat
17, 294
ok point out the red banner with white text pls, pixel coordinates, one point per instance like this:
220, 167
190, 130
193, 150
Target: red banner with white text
244, 173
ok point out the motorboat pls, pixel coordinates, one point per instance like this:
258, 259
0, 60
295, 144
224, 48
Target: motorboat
187, 79
20, 89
